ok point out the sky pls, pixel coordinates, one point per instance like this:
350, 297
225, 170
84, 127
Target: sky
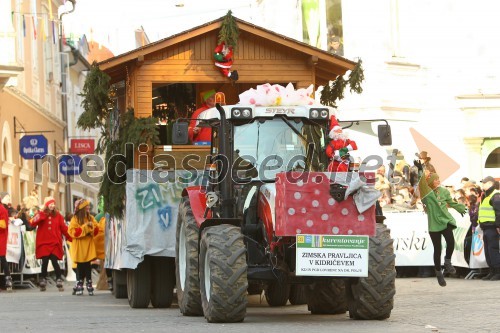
113, 22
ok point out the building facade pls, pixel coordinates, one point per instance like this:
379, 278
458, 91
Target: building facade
425, 70
40, 78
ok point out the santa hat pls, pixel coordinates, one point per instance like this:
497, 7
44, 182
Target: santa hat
47, 201
334, 126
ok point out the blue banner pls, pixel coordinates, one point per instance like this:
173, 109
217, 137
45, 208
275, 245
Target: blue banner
33, 147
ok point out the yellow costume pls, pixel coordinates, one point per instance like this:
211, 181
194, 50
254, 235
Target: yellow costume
83, 248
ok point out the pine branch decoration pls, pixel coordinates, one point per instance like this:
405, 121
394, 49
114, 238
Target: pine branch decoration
229, 31
356, 77
338, 88
95, 99
130, 130
327, 96
335, 92
133, 131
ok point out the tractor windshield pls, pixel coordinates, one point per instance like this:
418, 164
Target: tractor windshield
277, 145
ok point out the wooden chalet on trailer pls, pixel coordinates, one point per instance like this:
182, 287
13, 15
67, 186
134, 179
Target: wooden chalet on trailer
172, 72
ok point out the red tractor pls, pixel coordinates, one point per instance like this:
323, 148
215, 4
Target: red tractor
267, 194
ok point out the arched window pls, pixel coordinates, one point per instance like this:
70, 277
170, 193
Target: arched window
6, 143
5, 150
493, 160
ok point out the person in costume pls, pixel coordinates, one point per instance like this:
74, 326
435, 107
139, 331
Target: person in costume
339, 147
82, 228
436, 200
49, 244
4, 233
197, 133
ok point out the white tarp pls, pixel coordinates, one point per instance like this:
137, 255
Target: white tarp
151, 214
412, 244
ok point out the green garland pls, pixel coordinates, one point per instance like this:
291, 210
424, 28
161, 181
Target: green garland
131, 130
335, 92
356, 77
229, 31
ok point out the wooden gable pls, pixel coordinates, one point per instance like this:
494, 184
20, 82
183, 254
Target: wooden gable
262, 56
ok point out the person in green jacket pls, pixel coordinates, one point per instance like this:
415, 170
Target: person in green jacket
436, 200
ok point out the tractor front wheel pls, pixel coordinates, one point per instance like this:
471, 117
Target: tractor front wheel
372, 297
223, 274
186, 261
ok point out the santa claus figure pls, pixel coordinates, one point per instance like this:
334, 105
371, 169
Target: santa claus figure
223, 56
338, 149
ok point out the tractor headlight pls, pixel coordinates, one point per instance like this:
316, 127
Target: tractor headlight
319, 113
241, 112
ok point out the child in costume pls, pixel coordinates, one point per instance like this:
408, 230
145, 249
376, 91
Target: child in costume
49, 245
82, 228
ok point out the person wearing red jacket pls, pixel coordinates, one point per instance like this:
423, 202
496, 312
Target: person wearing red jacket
196, 133
339, 147
4, 233
49, 245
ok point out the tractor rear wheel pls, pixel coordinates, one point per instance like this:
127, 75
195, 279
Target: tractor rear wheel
139, 285
162, 281
120, 283
277, 293
327, 297
186, 261
223, 274
297, 294
372, 297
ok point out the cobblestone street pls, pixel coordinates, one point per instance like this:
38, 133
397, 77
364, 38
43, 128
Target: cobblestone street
420, 306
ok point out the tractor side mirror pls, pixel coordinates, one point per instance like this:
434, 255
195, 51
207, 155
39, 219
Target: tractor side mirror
384, 135
180, 133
